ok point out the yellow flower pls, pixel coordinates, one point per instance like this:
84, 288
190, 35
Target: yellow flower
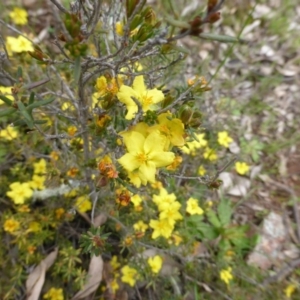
171, 128
54, 155
34, 227
161, 228
19, 192
140, 226
6, 91
147, 98
106, 86
37, 182
164, 199
210, 154
54, 294
175, 239
129, 275
224, 139
19, 16
157, 185
9, 133
72, 172
24, 208
290, 289
11, 225
136, 200
114, 285
71, 193
176, 162
67, 105
208, 205
59, 213
145, 155
19, 44
226, 275
155, 263
83, 204
241, 167
198, 143
201, 171
114, 262
193, 208
119, 29
31, 249
128, 241
72, 130
40, 167
202, 83
171, 213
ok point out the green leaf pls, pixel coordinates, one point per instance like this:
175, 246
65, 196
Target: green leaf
25, 114
237, 236
207, 231
39, 103
7, 111
20, 122
213, 219
40, 121
31, 98
220, 38
19, 73
77, 69
224, 212
6, 100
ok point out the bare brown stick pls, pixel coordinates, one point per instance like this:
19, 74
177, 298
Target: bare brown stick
282, 273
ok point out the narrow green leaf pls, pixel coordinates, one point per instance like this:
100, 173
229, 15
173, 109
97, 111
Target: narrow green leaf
20, 122
25, 114
40, 121
6, 100
19, 73
220, 38
39, 103
77, 69
31, 98
7, 111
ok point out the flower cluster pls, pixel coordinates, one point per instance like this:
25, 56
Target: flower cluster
18, 45
20, 192
146, 151
169, 214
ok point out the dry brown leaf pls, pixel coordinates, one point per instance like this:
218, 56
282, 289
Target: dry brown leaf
100, 220
36, 278
94, 277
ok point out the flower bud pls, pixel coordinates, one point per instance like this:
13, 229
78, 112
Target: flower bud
186, 114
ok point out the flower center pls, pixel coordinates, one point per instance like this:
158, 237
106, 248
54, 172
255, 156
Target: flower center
165, 130
147, 101
142, 157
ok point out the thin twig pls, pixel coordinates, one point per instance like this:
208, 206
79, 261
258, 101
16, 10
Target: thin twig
15, 30
60, 6
224, 168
